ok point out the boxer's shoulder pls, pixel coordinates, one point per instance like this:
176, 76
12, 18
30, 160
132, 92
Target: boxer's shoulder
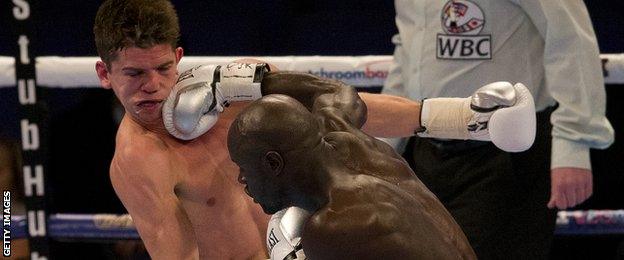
134, 159
355, 207
130, 134
340, 137
341, 145
139, 154
134, 145
351, 144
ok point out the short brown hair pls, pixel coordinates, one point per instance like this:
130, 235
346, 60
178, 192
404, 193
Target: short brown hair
134, 23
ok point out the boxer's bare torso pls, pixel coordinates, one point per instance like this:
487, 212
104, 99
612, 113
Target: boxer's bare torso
182, 194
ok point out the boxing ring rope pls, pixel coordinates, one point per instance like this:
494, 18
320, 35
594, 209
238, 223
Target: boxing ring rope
358, 71
115, 227
81, 227
363, 72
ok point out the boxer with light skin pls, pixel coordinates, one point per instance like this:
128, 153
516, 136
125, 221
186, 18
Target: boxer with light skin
182, 195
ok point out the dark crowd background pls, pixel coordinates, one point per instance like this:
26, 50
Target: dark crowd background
83, 121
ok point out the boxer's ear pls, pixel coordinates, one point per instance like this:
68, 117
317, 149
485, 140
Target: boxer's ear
273, 162
102, 72
179, 52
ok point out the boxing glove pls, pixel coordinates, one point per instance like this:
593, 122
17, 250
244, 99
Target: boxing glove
498, 112
201, 93
284, 233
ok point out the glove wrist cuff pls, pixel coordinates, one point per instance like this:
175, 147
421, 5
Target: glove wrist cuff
241, 81
445, 118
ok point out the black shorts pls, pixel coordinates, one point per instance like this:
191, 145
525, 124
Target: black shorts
498, 198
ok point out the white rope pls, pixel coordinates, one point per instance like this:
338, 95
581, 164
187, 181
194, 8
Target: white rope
358, 71
614, 67
79, 72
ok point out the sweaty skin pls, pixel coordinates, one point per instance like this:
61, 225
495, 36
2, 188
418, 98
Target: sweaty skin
374, 183
182, 196
311, 153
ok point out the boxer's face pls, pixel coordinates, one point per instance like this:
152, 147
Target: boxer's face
262, 188
142, 80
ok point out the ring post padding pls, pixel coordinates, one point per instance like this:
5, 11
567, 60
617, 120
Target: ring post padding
33, 122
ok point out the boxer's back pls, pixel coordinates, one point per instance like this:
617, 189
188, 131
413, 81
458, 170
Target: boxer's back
369, 218
367, 156
224, 223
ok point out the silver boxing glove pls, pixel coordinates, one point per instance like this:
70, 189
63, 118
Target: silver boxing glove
192, 107
202, 92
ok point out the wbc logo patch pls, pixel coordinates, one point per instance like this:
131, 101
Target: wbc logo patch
462, 21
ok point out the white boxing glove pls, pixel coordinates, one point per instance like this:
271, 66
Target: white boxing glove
499, 112
284, 233
201, 93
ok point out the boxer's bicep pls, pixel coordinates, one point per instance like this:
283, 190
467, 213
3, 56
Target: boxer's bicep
335, 120
147, 192
303, 87
317, 93
344, 105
